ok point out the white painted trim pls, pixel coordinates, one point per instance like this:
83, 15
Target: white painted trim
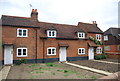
106, 38
22, 32
98, 50
22, 52
51, 50
81, 49
99, 35
81, 33
51, 33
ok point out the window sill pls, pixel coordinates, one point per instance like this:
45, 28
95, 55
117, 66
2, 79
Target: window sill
22, 36
21, 56
81, 54
51, 54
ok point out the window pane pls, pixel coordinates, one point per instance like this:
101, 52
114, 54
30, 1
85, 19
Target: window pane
20, 32
19, 52
49, 51
24, 51
24, 32
53, 51
79, 51
82, 50
49, 33
53, 33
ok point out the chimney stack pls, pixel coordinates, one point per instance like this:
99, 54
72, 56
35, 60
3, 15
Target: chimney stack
34, 14
94, 22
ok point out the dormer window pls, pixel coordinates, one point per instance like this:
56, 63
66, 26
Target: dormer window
98, 37
105, 37
51, 33
81, 35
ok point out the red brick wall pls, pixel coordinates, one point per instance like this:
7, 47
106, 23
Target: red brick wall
10, 36
112, 53
94, 35
72, 50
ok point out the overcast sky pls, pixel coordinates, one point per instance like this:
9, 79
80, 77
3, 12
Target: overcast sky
105, 12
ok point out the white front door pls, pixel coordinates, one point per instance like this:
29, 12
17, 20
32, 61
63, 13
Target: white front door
91, 53
62, 54
8, 54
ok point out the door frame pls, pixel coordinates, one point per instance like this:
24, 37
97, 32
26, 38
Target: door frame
10, 47
91, 49
63, 55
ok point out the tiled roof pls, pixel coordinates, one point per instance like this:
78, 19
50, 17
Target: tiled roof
18, 21
113, 31
63, 30
90, 28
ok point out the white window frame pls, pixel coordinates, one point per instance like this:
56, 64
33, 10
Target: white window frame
81, 33
98, 36
105, 37
81, 49
48, 31
51, 51
22, 32
99, 50
22, 52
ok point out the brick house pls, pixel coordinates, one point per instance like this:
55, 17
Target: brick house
35, 41
112, 42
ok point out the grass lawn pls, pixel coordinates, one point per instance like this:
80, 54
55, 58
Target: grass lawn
49, 71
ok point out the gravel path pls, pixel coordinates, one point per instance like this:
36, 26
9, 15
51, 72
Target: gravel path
98, 65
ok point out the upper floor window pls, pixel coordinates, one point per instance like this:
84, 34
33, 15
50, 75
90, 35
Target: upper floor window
51, 51
81, 35
81, 50
105, 37
51, 33
21, 52
98, 37
99, 50
22, 32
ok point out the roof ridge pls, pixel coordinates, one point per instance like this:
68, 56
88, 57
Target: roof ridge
56, 23
86, 23
17, 16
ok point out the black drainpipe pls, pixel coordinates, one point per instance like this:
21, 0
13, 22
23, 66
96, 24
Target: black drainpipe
43, 51
36, 45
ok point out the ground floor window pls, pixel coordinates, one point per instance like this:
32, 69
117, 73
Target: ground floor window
81, 50
99, 50
21, 52
51, 51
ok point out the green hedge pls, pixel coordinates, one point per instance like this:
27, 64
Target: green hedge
98, 57
24, 61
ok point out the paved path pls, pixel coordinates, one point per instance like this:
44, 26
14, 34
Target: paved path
4, 72
90, 69
105, 61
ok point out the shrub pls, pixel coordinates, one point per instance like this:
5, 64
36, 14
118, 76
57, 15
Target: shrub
24, 61
98, 57
91, 38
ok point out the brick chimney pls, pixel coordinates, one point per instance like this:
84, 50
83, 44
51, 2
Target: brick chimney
34, 14
94, 22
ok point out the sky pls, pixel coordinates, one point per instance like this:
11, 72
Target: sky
104, 12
